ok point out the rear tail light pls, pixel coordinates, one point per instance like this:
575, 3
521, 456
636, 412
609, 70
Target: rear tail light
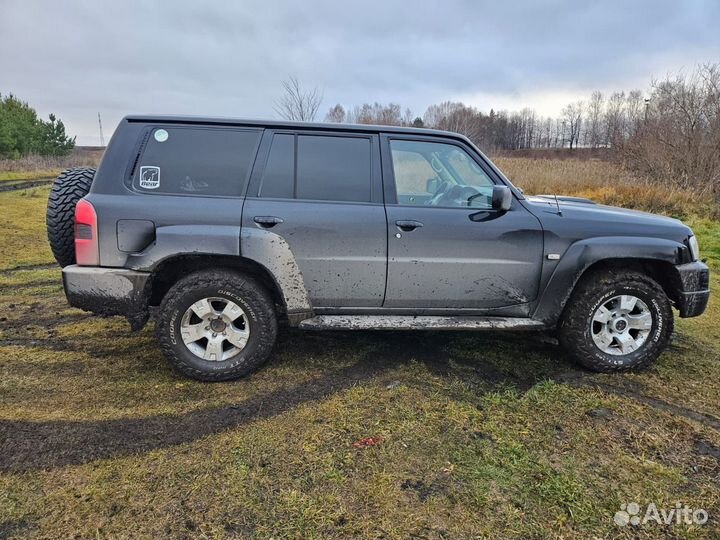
87, 251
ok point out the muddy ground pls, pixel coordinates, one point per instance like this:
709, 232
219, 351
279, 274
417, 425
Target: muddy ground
474, 434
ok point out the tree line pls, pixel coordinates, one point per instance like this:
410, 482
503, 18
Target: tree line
22, 132
596, 123
670, 133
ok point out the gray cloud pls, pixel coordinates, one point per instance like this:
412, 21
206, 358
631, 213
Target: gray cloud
76, 58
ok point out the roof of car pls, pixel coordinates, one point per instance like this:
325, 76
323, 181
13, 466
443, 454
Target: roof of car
280, 124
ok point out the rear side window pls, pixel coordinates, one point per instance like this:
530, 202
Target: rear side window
333, 168
317, 167
196, 161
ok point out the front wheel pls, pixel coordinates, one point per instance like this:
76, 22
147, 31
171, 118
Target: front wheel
617, 321
216, 325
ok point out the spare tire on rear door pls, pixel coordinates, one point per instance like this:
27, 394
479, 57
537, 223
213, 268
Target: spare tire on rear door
68, 188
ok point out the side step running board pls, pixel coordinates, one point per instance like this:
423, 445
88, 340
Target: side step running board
421, 322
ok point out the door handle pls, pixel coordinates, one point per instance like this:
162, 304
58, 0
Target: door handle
408, 225
267, 222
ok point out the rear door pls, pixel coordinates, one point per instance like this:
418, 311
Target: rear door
322, 193
447, 246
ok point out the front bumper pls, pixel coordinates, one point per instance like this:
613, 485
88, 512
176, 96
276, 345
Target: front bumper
694, 290
108, 291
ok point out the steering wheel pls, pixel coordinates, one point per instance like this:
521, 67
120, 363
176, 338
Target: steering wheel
439, 192
455, 196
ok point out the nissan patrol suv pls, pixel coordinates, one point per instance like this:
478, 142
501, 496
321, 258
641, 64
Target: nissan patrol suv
223, 229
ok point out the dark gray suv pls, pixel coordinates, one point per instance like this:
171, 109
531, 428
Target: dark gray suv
222, 229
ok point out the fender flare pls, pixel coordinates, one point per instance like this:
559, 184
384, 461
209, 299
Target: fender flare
273, 253
582, 254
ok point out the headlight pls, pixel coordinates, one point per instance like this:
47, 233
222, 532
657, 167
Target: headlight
694, 248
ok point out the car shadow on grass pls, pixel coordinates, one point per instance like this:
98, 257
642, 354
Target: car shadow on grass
483, 361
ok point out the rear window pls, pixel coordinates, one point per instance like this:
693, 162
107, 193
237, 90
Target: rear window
318, 167
196, 161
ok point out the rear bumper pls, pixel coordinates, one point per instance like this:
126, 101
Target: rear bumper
695, 288
108, 291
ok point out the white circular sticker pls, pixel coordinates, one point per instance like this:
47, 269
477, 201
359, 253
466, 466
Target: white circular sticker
161, 135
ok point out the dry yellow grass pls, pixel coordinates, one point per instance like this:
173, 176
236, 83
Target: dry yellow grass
602, 181
8, 177
33, 165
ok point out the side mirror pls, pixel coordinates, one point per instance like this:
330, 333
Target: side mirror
432, 185
501, 198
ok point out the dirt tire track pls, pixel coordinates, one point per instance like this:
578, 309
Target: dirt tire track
656, 403
27, 267
26, 185
27, 446
30, 285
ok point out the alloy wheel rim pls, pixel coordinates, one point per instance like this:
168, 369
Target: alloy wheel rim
621, 325
215, 329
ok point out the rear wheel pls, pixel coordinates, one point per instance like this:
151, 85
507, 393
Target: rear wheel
67, 189
216, 325
617, 321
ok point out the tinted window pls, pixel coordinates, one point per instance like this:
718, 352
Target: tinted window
279, 174
437, 174
333, 168
196, 161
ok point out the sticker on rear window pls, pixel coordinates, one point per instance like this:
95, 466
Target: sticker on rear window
161, 135
149, 177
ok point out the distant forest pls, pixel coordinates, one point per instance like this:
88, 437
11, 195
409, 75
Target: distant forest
23, 133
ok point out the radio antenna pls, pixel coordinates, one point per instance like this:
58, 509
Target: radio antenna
557, 205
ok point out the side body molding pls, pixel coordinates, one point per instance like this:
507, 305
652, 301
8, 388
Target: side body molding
273, 252
584, 253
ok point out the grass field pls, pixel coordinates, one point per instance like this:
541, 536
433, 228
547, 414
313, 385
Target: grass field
473, 435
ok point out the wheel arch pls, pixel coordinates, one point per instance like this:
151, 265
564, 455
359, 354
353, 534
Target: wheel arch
172, 269
653, 257
662, 272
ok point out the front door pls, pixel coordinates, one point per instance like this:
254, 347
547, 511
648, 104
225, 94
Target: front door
447, 246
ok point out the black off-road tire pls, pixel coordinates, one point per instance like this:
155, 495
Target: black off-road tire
599, 287
252, 297
67, 189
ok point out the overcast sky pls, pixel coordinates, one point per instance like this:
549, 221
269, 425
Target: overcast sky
224, 58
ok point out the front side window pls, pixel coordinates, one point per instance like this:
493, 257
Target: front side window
196, 161
438, 174
317, 167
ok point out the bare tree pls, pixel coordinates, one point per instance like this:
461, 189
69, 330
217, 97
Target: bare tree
678, 138
559, 138
385, 115
546, 139
615, 121
298, 104
436, 115
336, 114
572, 115
454, 116
407, 118
595, 111
634, 112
